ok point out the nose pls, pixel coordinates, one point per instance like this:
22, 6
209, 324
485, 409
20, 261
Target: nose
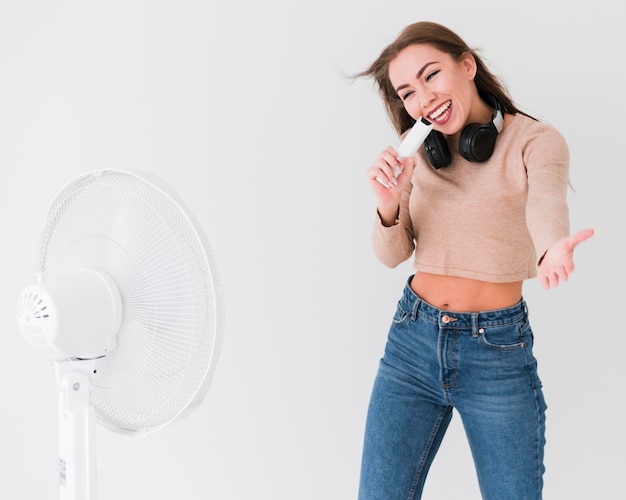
427, 96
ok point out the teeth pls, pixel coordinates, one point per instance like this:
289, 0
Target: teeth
438, 112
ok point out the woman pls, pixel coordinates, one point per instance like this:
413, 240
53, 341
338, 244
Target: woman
480, 208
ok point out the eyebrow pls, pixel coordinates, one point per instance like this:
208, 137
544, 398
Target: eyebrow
417, 76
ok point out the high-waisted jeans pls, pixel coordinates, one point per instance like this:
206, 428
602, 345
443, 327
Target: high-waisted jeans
479, 363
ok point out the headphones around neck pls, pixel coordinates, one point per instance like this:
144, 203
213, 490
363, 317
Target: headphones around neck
476, 142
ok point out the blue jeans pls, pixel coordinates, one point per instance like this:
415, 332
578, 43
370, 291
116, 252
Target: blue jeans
479, 363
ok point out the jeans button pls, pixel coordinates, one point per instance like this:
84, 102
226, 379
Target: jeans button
445, 318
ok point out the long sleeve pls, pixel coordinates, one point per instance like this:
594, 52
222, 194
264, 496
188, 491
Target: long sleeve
395, 244
546, 157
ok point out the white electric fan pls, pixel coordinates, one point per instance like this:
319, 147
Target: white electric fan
127, 304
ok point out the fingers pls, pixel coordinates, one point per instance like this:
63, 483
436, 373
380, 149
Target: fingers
553, 279
545, 282
550, 280
581, 236
558, 263
387, 168
385, 178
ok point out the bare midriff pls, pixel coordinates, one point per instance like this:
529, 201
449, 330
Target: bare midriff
463, 294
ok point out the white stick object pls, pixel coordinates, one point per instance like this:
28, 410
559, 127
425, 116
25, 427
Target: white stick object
411, 142
414, 139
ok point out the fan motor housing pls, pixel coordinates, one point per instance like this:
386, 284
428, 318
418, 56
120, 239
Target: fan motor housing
74, 316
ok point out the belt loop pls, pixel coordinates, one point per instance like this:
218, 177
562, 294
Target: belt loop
474, 323
415, 308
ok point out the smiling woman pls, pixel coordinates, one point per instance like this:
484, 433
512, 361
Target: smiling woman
470, 210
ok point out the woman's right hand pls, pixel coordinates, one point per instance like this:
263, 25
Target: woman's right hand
388, 177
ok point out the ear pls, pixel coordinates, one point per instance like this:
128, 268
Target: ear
469, 65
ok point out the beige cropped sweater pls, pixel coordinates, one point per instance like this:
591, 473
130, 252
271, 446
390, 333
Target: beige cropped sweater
486, 221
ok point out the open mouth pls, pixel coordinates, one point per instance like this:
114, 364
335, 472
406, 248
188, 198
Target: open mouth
439, 115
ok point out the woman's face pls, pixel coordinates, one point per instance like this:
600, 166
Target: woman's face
432, 85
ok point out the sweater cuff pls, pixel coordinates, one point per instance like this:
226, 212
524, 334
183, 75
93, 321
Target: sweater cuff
380, 220
388, 234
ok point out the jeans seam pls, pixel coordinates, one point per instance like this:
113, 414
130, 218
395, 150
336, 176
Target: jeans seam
539, 411
424, 459
535, 384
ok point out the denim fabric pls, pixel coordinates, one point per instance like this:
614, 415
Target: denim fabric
480, 364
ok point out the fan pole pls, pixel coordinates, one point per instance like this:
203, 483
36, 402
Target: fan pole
77, 451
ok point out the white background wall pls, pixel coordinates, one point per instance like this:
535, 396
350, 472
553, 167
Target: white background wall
241, 107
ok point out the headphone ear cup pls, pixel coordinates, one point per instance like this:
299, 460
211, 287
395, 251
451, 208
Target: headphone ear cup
437, 150
477, 142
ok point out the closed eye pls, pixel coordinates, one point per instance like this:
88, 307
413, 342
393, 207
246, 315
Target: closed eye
406, 95
430, 75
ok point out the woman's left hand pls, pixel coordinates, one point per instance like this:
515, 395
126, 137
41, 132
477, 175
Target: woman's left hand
558, 261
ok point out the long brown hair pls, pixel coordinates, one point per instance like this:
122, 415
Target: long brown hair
446, 41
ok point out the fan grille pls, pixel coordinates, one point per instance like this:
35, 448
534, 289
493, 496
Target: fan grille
171, 330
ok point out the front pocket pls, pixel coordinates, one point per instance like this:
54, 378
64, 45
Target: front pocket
400, 315
502, 338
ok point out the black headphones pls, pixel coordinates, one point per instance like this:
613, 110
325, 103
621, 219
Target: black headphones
476, 142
